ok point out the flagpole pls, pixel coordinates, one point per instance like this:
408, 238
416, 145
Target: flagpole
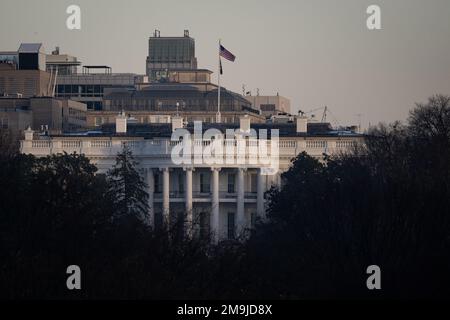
218, 116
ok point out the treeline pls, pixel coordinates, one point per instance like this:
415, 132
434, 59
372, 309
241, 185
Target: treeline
385, 203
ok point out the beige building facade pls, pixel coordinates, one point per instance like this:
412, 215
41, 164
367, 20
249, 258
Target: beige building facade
270, 105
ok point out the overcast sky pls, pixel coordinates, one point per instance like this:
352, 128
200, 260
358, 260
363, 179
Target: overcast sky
315, 52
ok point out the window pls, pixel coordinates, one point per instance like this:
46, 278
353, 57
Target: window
75, 90
267, 107
98, 121
90, 90
253, 183
158, 183
181, 183
231, 182
253, 219
4, 123
231, 225
204, 183
98, 105
204, 225
98, 90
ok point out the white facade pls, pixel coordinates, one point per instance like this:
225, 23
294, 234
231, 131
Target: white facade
224, 199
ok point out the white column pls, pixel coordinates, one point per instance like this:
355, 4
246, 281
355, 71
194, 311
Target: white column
240, 214
188, 198
150, 190
166, 194
215, 204
260, 188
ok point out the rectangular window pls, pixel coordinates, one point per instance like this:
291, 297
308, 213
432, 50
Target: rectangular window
90, 90
158, 183
204, 225
4, 123
231, 182
98, 121
267, 107
97, 90
204, 183
75, 90
231, 225
98, 105
253, 182
253, 219
181, 183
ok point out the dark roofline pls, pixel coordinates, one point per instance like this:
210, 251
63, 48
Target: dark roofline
171, 37
97, 67
187, 70
164, 130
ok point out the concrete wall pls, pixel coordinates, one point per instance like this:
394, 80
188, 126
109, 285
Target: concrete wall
29, 83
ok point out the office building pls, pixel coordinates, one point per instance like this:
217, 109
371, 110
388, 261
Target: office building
89, 86
191, 100
169, 53
22, 72
62, 64
45, 114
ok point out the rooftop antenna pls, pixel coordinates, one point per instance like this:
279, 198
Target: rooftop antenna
243, 89
324, 115
359, 115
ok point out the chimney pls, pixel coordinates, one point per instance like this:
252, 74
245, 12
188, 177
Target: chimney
177, 123
302, 124
244, 123
28, 134
121, 123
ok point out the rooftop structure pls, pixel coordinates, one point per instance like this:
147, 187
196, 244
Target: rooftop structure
169, 53
63, 64
270, 105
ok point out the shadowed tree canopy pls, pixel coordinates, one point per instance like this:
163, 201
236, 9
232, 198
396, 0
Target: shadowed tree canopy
127, 188
385, 203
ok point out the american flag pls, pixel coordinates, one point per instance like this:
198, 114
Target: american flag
226, 54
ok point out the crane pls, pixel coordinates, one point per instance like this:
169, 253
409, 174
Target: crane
324, 114
326, 111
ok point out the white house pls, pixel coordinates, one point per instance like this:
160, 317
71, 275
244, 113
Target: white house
223, 198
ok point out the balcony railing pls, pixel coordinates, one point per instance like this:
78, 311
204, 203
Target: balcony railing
222, 195
163, 148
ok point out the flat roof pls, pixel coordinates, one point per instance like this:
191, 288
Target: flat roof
30, 47
97, 67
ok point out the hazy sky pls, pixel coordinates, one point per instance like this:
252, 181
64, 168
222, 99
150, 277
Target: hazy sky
314, 52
